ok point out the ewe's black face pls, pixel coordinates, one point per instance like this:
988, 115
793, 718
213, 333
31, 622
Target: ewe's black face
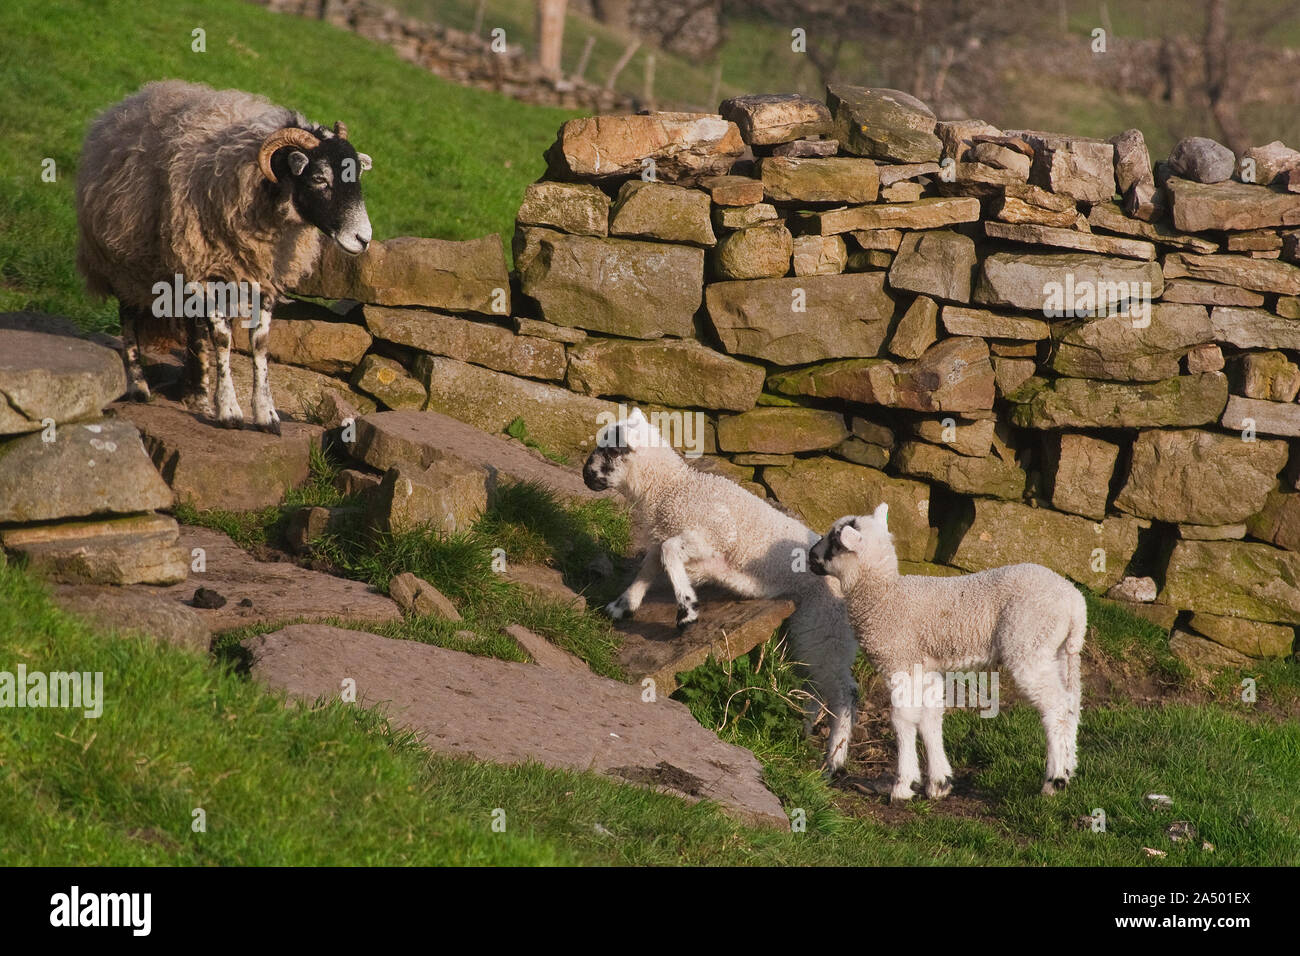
327, 190
605, 466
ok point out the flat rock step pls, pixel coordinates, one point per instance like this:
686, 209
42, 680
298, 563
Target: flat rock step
276, 591
218, 468
421, 438
509, 713
654, 647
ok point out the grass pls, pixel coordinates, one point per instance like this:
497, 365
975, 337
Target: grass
337, 785
450, 162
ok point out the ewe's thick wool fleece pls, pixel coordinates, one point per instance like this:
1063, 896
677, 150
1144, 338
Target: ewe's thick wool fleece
169, 184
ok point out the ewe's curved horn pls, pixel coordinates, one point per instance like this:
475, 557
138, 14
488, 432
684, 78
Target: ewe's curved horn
340, 129
289, 136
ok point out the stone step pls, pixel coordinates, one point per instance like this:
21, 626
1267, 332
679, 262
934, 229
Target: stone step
275, 591
511, 713
386, 439
654, 647
217, 468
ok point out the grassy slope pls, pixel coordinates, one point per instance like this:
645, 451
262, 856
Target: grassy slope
449, 162
181, 732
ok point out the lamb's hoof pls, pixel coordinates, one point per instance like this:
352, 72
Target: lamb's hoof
617, 610
230, 422
901, 793
1054, 786
272, 427
138, 393
688, 612
938, 789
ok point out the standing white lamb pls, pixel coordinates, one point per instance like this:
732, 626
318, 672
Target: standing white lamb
706, 528
1023, 617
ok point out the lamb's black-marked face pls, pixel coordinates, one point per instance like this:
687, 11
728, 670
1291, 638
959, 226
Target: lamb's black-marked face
824, 556
605, 466
327, 189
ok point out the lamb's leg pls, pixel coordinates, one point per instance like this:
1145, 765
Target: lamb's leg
674, 553
938, 770
229, 414
822, 639
199, 392
264, 413
137, 389
627, 603
1039, 678
905, 721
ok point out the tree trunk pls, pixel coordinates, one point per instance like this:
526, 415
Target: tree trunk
550, 34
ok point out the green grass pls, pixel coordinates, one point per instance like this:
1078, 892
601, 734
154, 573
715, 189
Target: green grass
336, 785
450, 162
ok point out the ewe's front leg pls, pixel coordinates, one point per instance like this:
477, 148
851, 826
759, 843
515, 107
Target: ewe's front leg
229, 414
137, 389
675, 553
199, 393
627, 603
264, 413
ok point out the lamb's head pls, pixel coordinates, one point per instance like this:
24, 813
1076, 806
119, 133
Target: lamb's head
322, 176
856, 545
626, 452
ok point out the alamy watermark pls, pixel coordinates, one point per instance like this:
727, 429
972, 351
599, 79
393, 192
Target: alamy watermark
676, 429
76, 690
978, 689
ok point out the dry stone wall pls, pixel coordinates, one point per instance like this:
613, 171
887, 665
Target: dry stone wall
1033, 346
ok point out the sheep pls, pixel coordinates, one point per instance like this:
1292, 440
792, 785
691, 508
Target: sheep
1023, 616
215, 190
705, 528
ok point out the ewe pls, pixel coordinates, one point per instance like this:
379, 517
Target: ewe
1023, 617
181, 184
705, 528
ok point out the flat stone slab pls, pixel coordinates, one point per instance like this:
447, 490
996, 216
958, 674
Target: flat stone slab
727, 628
423, 438
276, 591
219, 468
510, 713
147, 611
53, 376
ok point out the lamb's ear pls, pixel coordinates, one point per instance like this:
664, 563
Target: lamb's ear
638, 430
636, 417
881, 513
850, 537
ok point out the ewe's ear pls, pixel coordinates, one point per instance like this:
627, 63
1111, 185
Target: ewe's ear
297, 162
364, 161
850, 537
881, 513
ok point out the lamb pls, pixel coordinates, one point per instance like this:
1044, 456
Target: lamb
183, 185
1023, 617
706, 528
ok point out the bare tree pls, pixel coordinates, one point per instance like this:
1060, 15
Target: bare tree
550, 34
1219, 87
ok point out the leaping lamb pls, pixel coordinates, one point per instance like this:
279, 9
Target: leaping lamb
1023, 617
226, 191
705, 528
